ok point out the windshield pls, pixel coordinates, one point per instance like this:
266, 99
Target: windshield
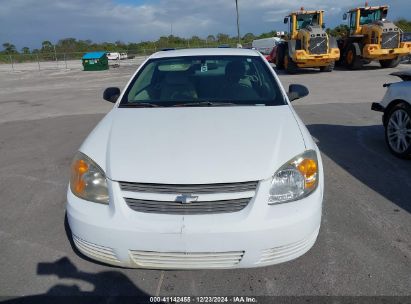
203, 81
305, 20
406, 37
369, 16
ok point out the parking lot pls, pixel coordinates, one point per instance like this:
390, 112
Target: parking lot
364, 245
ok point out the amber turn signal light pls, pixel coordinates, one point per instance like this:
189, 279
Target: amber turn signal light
308, 168
78, 169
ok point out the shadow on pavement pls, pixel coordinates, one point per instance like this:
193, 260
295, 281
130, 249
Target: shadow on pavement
339, 68
361, 151
109, 286
299, 72
365, 67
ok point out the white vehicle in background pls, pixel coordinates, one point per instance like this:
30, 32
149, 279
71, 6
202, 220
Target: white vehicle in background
265, 45
116, 56
201, 163
396, 106
113, 56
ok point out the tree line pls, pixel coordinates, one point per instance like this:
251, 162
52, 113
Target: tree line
72, 45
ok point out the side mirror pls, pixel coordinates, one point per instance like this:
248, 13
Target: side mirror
285, 20
323, 26
111, 94
296, 91
345, 16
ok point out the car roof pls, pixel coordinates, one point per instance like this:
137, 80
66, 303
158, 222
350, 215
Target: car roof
205, 52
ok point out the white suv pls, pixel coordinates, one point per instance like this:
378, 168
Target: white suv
396, 106
201, 163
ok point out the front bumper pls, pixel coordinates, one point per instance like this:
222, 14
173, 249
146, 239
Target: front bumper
375, 106
258, 235
305, 60
375, 52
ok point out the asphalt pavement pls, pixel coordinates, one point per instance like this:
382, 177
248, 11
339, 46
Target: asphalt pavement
364, 246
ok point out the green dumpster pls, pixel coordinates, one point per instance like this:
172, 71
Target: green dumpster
95, 61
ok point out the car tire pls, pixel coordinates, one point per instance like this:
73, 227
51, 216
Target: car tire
328, 68
398, 130
390, 63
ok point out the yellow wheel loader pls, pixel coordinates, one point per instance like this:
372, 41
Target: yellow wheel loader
372, 37
307, 45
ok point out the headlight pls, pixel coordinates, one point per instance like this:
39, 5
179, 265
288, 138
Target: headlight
88, 180
295, 179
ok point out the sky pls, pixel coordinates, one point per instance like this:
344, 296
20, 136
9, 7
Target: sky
29, 22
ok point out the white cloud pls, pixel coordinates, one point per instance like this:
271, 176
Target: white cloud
29, 22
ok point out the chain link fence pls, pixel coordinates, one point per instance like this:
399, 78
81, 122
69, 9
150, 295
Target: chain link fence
67, 60
61, 61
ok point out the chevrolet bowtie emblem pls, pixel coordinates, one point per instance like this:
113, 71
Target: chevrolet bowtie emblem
186, 198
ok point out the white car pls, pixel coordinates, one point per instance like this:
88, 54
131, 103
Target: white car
396, 106
201, 163
113, 56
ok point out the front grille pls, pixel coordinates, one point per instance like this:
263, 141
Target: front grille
197, 207
98, 252
390, 40
189, 188
188, 260
318, 45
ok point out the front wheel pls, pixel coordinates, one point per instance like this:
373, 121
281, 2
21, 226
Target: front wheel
390, 63
328, 68
279, 58
352, 60
398, 130
289, 65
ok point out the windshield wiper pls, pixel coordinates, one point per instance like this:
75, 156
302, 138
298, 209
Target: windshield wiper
139, 105
187, 104
209, 104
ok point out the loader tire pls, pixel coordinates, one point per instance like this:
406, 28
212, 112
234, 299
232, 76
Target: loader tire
390, 63
328, 68
289, 65
279, 59
352, 60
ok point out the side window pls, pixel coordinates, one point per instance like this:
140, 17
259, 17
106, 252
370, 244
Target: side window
353, 18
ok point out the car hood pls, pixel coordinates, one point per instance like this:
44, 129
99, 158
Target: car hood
195, 145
